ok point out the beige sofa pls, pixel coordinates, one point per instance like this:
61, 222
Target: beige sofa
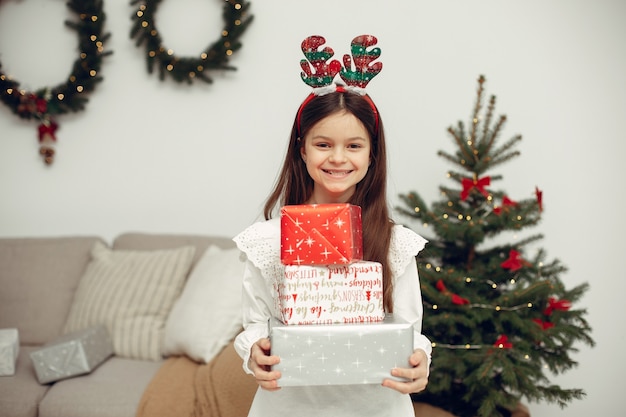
39, 278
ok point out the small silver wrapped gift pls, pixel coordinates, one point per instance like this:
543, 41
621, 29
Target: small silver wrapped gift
9, 349
73, 354
339, 354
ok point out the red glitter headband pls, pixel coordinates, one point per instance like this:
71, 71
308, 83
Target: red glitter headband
319, 74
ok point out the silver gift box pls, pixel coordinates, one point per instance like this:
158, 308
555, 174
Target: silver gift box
339, 354
9, 349
73, 354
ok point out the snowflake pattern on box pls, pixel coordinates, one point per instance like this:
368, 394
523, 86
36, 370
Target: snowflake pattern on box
340, 354
321, 234
326, 294
9, 350
71, 355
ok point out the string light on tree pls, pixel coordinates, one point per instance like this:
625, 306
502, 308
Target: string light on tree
497, 318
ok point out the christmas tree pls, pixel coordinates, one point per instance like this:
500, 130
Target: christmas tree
498, 317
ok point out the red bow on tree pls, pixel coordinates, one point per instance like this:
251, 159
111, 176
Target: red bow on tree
506, 202
544, 324
554, 304
515, 261
479, 184
539, 195
503, 342
456, 299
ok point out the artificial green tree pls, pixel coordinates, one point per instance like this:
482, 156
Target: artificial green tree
500, 318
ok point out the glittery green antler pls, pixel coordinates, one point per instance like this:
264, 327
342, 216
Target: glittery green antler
364, 70
323, 72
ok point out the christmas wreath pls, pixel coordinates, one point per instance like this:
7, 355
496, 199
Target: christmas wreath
215, 56
70, 95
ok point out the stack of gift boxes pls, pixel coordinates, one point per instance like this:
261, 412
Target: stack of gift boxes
333, 328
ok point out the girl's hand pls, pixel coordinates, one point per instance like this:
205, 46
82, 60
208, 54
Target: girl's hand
260, 364
417, 376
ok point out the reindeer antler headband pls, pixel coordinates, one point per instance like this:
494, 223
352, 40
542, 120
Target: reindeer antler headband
319, 71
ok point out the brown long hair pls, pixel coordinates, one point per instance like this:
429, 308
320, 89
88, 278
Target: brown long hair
295, 186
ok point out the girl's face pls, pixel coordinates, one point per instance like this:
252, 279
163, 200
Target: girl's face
336, 152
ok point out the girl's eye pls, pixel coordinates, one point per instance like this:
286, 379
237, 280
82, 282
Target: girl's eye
322, 145
355, 146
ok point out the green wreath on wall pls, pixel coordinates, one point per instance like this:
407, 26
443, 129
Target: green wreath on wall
71, 94
214, 57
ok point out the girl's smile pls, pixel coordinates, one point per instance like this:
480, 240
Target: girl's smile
336, 152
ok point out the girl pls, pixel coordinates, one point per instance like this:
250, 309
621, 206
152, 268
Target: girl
336, 154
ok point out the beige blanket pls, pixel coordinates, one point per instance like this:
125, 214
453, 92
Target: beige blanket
184, 388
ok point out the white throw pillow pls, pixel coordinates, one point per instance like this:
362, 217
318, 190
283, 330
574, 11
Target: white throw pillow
131, 293
207, 315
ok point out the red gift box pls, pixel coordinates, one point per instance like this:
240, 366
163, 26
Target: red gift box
320, 234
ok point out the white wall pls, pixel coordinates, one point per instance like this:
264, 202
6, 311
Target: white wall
157, 156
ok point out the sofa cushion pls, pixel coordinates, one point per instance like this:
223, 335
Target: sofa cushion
113, 389
132, 293
21, 393
38, 278
149, 241
207, 316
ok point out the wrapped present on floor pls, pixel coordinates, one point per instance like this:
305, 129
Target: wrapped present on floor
73, 354
338, 354
9, 350
320, 234
326, 294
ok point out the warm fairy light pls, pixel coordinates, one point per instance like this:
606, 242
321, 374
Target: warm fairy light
468, 218
438, 269
79, 88
170, 52
416, 209
498, 308
92, 73
60, 97
445, 216
460, 217
530, 305
435, 307
468, 279
428, 266
169, 67
512, 281
237, 6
